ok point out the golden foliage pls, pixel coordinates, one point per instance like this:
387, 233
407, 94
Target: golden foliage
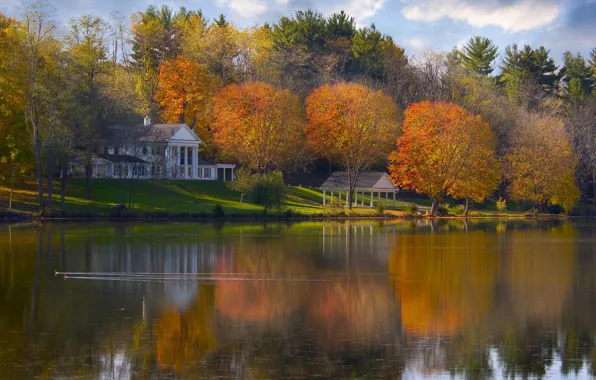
184, 94
541, 164
445, 150
258, 124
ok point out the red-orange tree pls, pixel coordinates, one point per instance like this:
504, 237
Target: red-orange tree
445, 150
258, 124
352, 125
185, 92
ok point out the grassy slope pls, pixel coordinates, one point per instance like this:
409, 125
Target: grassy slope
181, 197
157, 196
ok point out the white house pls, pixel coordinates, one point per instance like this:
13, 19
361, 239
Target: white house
161, 151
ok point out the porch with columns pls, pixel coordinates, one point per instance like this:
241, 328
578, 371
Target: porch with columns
183, 161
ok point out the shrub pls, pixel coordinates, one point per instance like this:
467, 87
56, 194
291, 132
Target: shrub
501, 204
442, 210
268, 191
555, 209
289, 213
459, 209
380, 209
412, 209
218, 211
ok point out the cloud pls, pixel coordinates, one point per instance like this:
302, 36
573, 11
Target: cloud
246, 8
510, 15
360, 9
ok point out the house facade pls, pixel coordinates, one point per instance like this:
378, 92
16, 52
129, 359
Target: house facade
151, 151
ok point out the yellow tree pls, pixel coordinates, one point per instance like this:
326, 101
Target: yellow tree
184, 93
445, 150
351, 124
258, 124
541, 164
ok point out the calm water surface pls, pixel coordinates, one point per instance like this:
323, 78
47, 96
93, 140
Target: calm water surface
325, 300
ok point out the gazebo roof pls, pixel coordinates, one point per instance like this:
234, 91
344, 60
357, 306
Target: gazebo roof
377, 181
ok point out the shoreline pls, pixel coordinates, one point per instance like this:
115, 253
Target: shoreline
20, 216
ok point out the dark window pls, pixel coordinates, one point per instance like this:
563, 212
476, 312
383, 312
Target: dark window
106, 150
116, 151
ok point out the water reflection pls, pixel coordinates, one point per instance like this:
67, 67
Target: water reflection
474, 300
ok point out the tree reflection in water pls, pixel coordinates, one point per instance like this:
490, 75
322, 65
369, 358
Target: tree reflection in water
476, 301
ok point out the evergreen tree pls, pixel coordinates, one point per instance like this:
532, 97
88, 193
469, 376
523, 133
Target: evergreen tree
479, 54
575, 76
530, 64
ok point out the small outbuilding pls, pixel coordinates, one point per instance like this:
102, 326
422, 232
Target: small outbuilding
368, 184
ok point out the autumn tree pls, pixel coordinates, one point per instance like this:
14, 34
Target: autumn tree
352, 125
184, 93
445, 150
258, 125
541, 166
36, 42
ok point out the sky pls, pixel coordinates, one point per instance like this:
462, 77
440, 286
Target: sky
415, 25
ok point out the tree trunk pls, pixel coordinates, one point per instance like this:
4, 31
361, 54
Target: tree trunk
467, 207
38, 171
241, 197
89, 174
594, 186
63, 185
50, 177
434, 207
11, 188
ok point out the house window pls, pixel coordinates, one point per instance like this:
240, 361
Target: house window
207, 172
106, 150
117, 170
116, 151
143, 171
200, 172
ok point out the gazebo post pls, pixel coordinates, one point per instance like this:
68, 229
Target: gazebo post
363, 199
394, 205
324, 198
372, 196
379, 198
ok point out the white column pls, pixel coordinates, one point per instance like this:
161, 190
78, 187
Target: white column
324, 203
394, 199
195, 161
371, 198
178, 166
185, 162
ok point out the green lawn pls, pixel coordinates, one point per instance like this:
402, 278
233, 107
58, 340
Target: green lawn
158, 196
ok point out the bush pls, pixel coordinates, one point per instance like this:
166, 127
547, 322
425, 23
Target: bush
459, 209
412, 209
380, 209
555, 209
268, 191
218, 211
442, 210
501, 204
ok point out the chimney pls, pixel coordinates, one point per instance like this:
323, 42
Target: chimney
147, 121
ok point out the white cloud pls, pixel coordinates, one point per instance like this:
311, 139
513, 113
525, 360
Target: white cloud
510, 16
417, 42
245, 8
360, 9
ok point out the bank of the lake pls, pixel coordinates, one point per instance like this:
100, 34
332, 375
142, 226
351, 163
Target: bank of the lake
147, 199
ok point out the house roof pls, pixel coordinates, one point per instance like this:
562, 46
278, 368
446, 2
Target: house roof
139, 132
339, 181
122, 158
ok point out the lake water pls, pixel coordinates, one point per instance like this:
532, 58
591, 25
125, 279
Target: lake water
488, 299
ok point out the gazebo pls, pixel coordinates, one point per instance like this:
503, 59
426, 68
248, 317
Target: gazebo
368, 183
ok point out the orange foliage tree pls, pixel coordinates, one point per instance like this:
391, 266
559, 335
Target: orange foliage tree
258, 124
445, 150
541, 165
185, 92
350, 124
